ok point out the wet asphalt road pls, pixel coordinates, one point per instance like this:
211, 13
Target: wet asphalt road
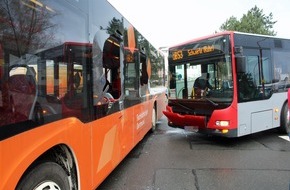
173, 159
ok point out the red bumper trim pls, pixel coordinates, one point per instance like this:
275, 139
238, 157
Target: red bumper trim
184, 120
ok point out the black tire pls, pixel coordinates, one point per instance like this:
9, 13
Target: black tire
45, 176
154, 119
285, 124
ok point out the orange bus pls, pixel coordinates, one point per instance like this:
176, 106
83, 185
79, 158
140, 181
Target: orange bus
229, 84
77, 93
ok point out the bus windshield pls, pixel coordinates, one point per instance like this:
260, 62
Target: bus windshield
201, 70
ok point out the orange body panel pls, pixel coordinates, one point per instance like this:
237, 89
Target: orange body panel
21, 150
98, 147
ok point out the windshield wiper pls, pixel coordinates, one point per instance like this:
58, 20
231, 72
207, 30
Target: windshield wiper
212, 102
181, 105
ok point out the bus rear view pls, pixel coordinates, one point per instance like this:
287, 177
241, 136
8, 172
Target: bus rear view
229, 84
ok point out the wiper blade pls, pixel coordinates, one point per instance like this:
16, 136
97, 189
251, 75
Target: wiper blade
181, 105
212, 102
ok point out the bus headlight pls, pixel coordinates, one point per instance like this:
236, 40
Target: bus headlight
222, 123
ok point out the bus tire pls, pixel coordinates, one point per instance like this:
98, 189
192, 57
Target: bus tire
154, 119
45, 176
285, 124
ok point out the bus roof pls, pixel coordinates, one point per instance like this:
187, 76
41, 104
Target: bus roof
222, 33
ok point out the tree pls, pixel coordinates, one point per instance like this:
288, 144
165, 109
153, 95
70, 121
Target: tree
25, 27
114, 26
255, 21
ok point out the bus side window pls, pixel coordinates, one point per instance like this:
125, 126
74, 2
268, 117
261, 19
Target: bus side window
144, 74
73, 98
106, 76
116, 85
111, 65
77, 80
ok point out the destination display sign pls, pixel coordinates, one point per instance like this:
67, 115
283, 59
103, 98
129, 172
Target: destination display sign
179, 54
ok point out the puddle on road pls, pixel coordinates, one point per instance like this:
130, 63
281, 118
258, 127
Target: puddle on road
172, 131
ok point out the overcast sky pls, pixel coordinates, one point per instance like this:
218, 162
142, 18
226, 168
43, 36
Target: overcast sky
170, 22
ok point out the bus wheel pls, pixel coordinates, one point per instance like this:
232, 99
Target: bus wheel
45, 176
154, 119
285, 123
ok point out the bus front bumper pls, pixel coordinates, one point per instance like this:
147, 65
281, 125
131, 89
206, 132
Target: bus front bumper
181, 121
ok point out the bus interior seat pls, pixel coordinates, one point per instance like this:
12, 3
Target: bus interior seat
22, 95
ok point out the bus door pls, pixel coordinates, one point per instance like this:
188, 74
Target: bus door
254, 86
111, 137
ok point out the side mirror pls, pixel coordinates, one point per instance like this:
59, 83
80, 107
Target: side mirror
241, 64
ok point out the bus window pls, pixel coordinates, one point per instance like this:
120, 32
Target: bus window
281, 70
107, 75
131, 76
256, 82
111, 65
22, 94
143, 69
1, 74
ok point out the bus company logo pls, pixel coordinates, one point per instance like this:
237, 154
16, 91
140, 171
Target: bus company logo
176, 55
140, 119
198, 51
